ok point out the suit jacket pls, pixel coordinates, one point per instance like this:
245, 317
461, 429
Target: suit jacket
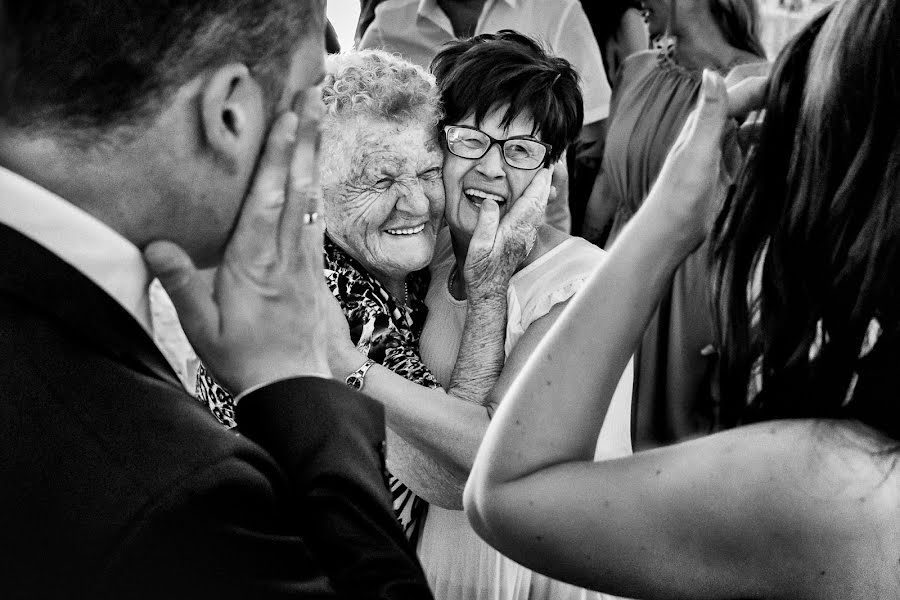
115, 483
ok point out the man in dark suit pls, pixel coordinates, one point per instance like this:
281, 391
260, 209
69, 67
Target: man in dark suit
182, 133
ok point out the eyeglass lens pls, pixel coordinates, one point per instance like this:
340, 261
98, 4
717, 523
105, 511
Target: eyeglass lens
473, 144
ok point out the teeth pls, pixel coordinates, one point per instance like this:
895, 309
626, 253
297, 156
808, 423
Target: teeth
407, 231
472, 193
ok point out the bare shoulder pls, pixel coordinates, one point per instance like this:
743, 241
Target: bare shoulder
828, 492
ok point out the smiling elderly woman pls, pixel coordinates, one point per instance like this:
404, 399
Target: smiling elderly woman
510, 111
384, 201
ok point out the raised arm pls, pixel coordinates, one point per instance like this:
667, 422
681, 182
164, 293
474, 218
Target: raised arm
703, 519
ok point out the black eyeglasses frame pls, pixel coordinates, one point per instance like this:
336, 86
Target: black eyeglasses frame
545, 162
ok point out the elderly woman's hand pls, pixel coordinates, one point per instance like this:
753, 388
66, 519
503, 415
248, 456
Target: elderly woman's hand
498, 244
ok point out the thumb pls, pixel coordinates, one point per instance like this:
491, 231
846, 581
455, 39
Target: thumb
486, 229
188, 290
712, 109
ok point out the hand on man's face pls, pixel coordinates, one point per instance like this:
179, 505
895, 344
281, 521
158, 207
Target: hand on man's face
262, 320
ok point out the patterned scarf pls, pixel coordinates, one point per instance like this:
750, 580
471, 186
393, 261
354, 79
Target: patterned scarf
384, 330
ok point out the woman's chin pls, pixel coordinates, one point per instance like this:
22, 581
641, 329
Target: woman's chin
413, 251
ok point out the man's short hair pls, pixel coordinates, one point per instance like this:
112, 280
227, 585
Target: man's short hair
486, 72
103, 64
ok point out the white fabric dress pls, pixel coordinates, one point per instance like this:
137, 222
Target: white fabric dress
458, 564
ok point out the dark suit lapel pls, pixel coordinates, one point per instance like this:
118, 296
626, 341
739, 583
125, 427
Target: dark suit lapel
32, 273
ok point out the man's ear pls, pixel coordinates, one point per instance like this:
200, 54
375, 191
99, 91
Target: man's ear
232, 115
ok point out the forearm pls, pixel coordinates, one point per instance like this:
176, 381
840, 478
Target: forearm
481, 352
436, 434
442, 427
424, 475
439, 474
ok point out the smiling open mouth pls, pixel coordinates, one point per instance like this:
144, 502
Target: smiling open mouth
407, 230
476, 197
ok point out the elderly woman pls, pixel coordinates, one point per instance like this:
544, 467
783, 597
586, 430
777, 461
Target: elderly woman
802, 498
511, 110
384, 201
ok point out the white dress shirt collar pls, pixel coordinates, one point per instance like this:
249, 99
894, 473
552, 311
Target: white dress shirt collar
100, 253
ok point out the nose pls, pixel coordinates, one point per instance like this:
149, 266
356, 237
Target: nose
491, 164
413, 200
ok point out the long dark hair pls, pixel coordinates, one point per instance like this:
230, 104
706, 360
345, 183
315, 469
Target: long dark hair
806, 251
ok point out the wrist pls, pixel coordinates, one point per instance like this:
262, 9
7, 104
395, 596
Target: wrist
349, 360
357, 378
487, 295
682, 233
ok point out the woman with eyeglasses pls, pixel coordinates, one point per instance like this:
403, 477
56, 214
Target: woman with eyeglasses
510, 111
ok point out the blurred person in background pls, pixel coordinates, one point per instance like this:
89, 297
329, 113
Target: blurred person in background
801, 499
417, 29
620, 32
674, 395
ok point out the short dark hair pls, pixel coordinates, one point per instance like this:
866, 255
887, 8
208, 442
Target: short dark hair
100, 64
486, 72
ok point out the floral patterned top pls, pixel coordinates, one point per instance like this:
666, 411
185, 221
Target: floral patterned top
386, 330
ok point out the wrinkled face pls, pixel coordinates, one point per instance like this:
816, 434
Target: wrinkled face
467, 182
383, 194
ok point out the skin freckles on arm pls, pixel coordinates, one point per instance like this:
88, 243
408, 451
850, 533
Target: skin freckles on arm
481, 352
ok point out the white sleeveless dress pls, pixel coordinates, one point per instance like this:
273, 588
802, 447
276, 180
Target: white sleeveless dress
458, 564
